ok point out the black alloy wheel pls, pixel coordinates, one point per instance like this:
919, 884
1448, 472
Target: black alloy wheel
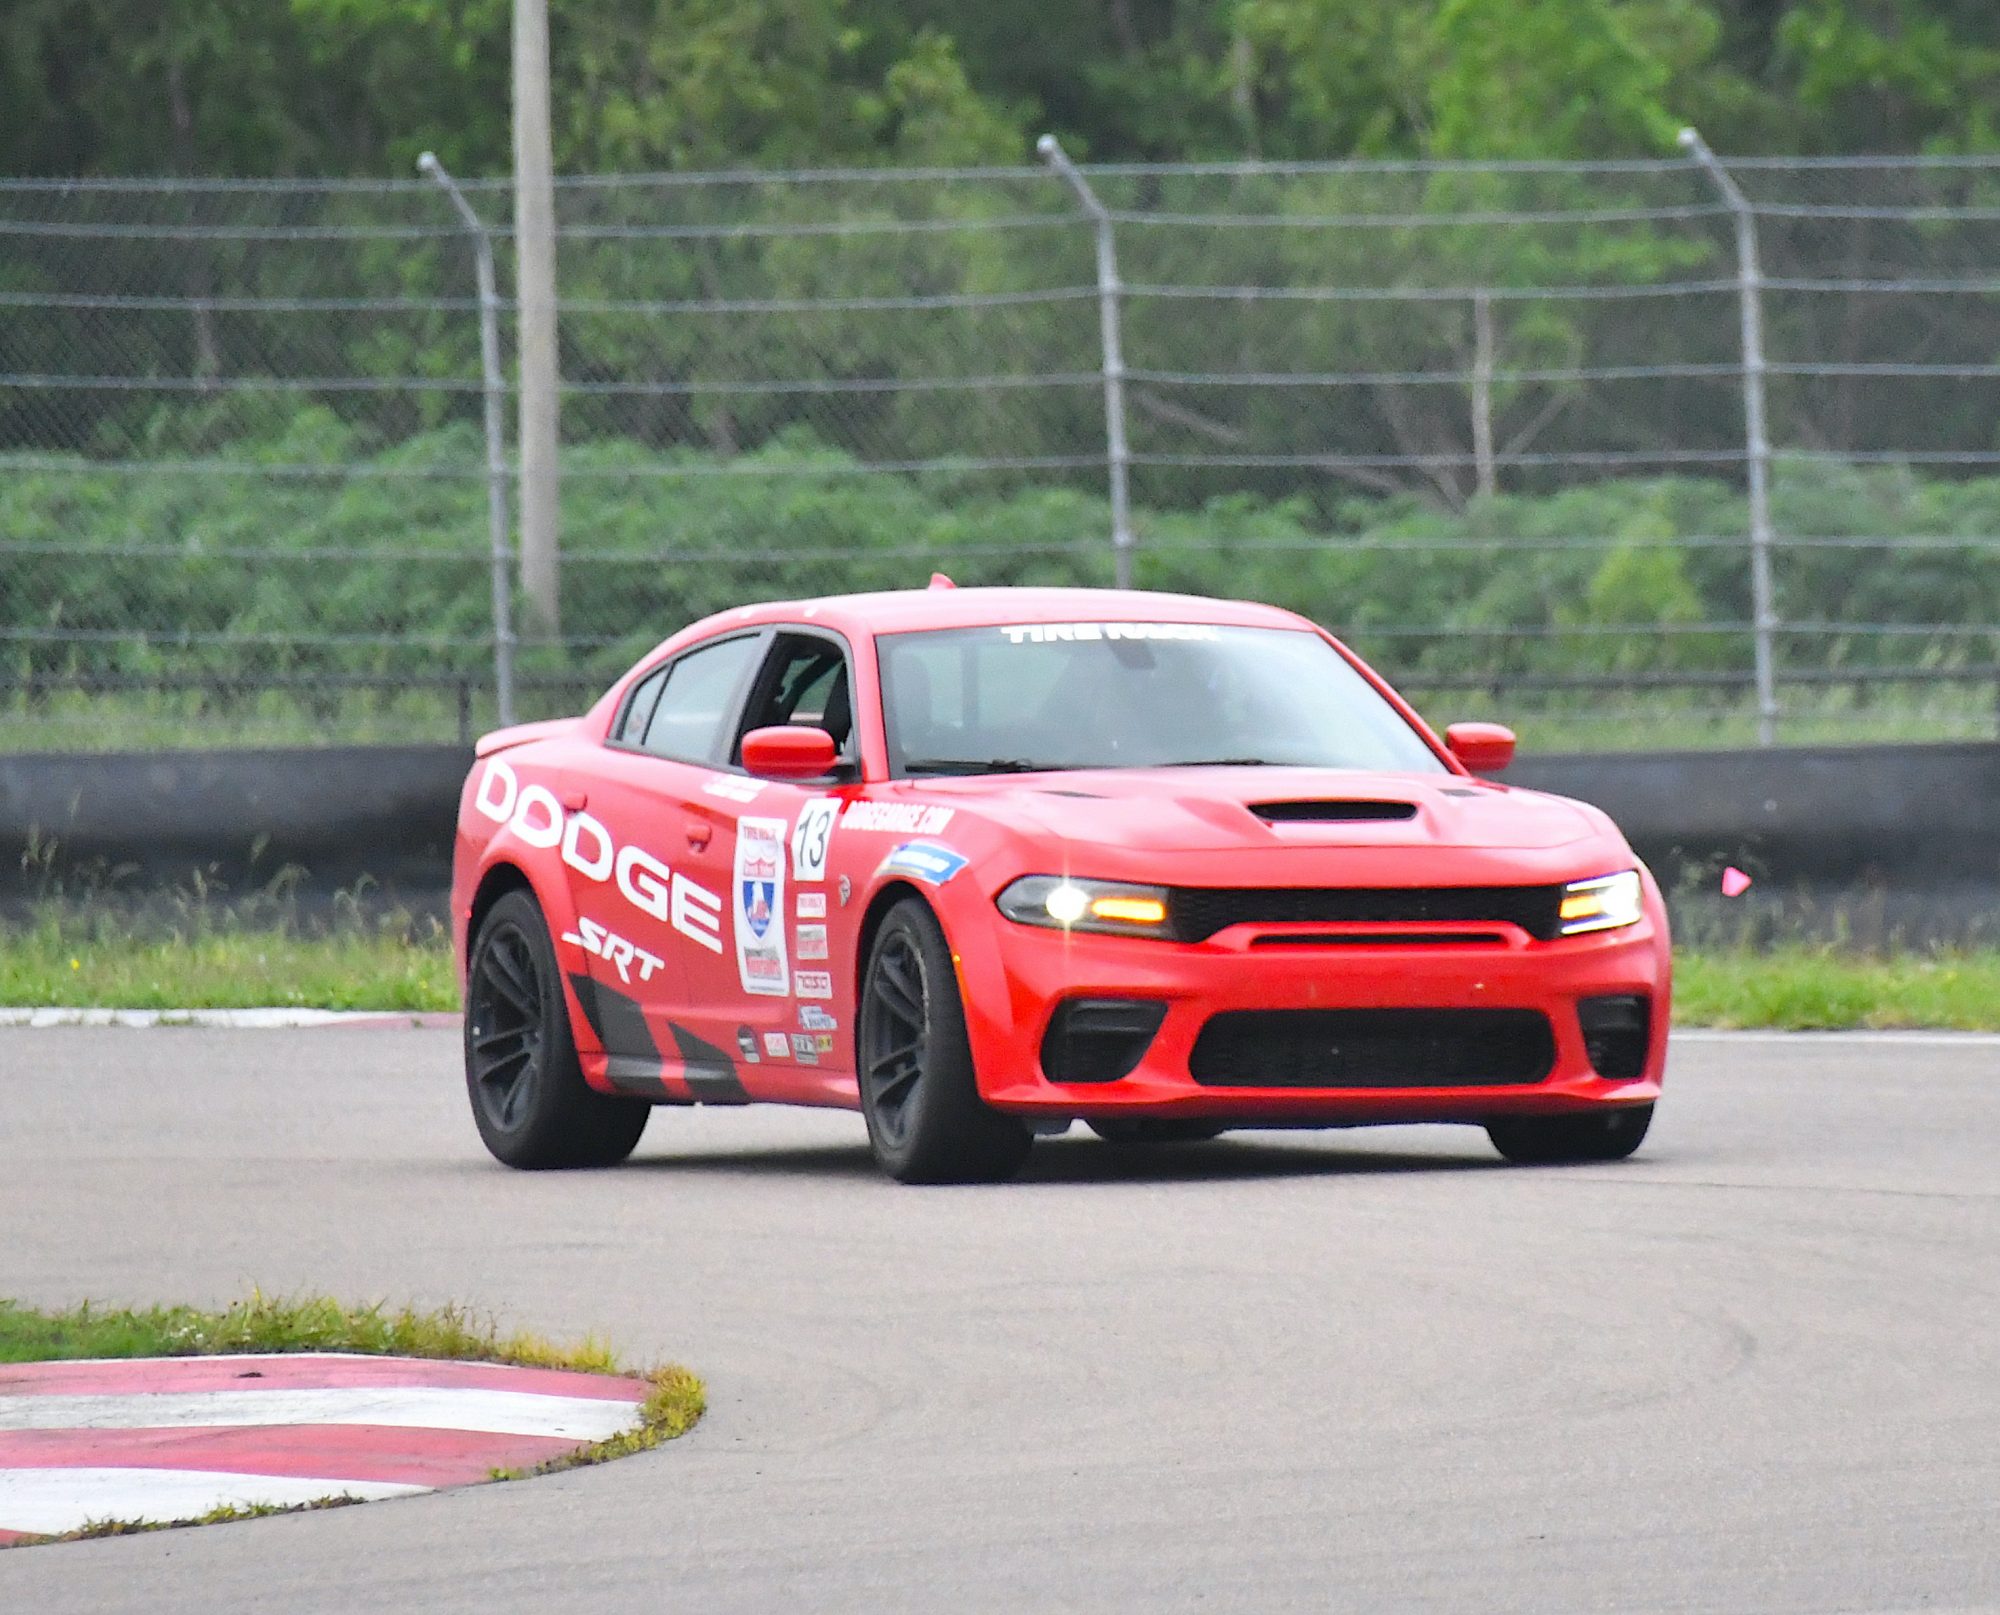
919, 1094
529, 1100
1594, 1135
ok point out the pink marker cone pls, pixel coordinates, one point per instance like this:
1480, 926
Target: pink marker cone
1734, 882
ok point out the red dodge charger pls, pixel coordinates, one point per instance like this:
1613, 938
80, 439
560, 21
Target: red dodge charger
980, 863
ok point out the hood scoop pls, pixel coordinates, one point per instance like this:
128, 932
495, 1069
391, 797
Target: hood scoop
1332, 812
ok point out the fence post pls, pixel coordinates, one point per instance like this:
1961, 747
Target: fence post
496, 437
1750, 285
1486, 477
1118, 455
537, 434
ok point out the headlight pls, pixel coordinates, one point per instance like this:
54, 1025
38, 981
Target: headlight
1109, 906
1602, 904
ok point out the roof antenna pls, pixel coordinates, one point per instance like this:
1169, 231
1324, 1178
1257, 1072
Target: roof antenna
940, 581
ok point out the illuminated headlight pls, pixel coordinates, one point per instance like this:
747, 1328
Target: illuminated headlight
1602, 904
1109, 906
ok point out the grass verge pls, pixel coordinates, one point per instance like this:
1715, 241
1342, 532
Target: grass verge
59, 961
1820, 989
404, 963
674, 1402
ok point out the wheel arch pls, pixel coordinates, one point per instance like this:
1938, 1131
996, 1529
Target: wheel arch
503, 877
891, 893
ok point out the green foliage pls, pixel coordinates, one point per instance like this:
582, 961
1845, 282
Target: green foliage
380, 567
1901, 74
361, 86
262, 1323
1560, 78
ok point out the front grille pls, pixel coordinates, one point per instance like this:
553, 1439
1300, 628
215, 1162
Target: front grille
1373, 1048
1380, 939
1198, 912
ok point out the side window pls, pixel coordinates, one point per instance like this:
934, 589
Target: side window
804, 682
639, 709
698, 696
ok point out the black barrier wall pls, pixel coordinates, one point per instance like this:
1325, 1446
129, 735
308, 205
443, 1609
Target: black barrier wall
340, 815
1868, 841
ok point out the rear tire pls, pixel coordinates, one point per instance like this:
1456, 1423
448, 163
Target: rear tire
529, 1100
926, 1121
1597, 1135
1155, 1130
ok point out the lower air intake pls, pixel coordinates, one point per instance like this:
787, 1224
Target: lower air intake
1616, 1033
1373, 1048
1099, 1039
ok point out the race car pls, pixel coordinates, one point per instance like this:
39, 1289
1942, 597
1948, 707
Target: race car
984, 863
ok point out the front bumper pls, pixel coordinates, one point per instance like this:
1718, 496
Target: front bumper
1012, 990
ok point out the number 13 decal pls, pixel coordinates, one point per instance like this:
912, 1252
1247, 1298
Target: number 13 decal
811, 837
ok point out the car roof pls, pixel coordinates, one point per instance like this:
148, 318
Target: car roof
907, 610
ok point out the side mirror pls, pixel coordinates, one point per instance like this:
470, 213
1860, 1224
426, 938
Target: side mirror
783, 752
1484, 748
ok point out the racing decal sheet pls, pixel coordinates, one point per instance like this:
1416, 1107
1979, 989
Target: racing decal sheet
759, 893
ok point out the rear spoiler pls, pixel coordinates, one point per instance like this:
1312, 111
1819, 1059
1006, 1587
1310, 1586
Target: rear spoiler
520, 734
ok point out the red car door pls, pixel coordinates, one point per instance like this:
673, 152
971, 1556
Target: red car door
773, 993
651, 911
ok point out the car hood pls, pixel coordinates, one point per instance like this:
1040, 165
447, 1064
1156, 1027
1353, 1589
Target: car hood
1270, 809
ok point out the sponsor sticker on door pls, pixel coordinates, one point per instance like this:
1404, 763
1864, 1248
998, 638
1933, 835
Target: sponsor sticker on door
907, 818
812, 983
812, 836
925, 861
811, 942
812, 905
777, 1045
759, 886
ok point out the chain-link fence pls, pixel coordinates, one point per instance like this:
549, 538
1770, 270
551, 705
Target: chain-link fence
1488, 421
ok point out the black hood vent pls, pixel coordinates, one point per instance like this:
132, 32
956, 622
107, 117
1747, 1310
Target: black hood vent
1332, 812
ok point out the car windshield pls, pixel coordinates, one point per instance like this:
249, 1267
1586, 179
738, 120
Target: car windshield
1025, 697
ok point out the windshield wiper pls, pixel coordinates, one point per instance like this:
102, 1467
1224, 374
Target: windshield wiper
973, 765
1222, 762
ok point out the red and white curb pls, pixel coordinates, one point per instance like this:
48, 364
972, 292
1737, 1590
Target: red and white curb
250, 1020
170, 1438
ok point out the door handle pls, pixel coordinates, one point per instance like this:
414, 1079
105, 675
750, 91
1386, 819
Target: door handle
699, 834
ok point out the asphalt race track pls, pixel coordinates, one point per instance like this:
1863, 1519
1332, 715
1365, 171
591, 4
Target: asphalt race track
1756, 1368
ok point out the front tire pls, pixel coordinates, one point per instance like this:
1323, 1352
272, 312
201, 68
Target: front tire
1597, 1135
926, 1121
529, 1100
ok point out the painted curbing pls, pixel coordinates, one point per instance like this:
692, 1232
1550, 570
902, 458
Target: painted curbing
164, 1439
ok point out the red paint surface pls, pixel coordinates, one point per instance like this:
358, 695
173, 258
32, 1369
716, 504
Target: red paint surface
9, 1538
302, 1372
357, 1452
